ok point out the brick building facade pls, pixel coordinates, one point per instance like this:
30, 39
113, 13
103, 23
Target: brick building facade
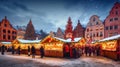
112, 21
7, 32
94, 29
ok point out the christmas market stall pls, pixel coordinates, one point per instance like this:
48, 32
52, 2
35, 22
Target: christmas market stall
6, 44
110, 47
54, 46
24, 45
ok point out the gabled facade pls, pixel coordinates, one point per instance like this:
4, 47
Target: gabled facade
78, 31
112, 21
59, 33
7, 32
94, 29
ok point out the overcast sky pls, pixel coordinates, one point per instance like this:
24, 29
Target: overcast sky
51, 14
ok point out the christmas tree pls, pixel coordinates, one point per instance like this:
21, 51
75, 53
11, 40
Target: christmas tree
30, 32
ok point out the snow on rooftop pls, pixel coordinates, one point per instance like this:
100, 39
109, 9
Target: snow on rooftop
29, 41
110, 38
69, 40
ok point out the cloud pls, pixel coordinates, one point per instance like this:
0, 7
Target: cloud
51, 14
21, 6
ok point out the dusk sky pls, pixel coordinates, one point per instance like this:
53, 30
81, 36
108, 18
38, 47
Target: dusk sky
51, 14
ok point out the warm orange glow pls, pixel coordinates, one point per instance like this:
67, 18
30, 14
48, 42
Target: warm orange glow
55, 46
111, 45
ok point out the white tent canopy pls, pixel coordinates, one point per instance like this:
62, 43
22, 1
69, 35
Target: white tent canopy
69, 40
110, 38
6, 42
28, 41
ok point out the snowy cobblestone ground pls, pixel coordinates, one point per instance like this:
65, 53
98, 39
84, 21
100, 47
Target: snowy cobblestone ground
25, 61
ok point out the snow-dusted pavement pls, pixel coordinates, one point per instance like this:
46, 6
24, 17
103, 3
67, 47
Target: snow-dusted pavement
25, 61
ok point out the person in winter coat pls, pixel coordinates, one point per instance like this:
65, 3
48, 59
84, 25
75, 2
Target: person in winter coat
71, 52
19, 50
42, 51
118, 52
74, 52
28, 50
13, 50
90, 50
98, 50
86, 50
67, 50
93, 50
2, 49
33, 51
79, 51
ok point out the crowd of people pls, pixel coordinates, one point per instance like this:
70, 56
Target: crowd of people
72, 51
31, 51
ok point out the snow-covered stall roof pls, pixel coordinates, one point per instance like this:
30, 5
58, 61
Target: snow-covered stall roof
69, 40
28, 41
6, 42
110, 38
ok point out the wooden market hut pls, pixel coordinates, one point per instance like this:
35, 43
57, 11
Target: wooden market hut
6, 44
53, 46
25, 43
109, 47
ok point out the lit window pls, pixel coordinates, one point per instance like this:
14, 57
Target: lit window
91, 30
96, 29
